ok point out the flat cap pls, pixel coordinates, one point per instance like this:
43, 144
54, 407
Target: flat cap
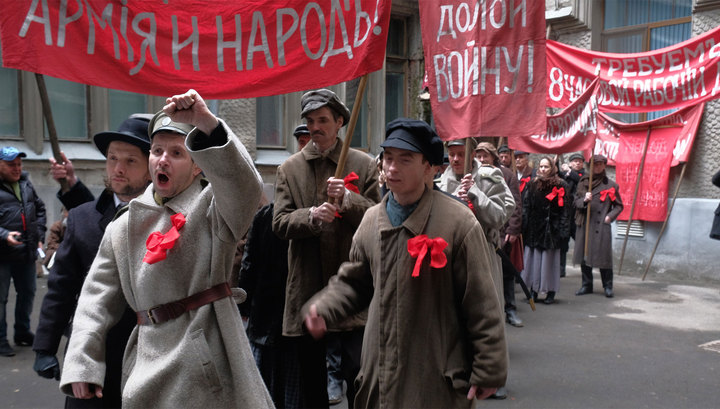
461, 142
503, 149
416, 136
488, 147
162, 122
519, 152
9, 153
576, 156
599, 158
301, 130
133, 130
319, 98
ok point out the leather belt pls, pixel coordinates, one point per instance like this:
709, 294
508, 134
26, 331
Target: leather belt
172, 310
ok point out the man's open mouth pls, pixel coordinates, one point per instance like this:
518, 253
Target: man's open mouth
162, 178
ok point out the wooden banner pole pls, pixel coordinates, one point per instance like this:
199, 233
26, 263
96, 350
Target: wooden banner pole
637, 188
47, 113
586, 252
662, 230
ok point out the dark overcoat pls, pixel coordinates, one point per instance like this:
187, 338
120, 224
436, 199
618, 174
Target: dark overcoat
545, 221
32, 227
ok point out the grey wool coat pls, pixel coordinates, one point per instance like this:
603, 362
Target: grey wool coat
315, 252
600, 237
202, 358
427, 338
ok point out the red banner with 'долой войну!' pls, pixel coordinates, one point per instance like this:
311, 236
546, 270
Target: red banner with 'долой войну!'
222, 49
485, 64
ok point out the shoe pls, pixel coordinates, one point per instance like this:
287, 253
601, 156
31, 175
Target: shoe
334, 393
562, 273
512, 318
550, 299
583, 291
6, 349
609, 293
24, 340
500, 394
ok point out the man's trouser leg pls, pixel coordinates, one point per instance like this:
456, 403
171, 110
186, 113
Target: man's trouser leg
587, 279
24, 277
5, 277
351, 349
334, 361
606, 274
313, 372
508, 285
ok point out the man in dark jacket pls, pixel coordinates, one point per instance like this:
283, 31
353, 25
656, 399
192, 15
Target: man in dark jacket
571, 173
22, 231
127, 176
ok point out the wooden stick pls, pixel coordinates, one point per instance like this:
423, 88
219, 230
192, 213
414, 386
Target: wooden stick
587, 213
637, 188
47, 113
351, 129
662, 230
468, 156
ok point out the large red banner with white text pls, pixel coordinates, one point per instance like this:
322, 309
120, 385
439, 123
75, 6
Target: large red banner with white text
485, 63
684, 74
223, 49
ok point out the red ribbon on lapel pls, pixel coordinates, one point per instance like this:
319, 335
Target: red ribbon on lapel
560, 193
607, 192
418, 247
351, 177
158, 244
524, 182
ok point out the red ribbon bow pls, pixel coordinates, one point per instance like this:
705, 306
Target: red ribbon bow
158, 244
351, 177
418, 247
524, 182
560, 193
607, 192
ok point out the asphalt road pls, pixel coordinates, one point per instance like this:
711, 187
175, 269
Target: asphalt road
641, 349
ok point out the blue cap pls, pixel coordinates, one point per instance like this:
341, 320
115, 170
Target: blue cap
416, 136
9, 153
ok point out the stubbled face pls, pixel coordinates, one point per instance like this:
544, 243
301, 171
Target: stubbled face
599, 167
456, 155
10, 170
521, 161
406, 173
484, 157
506, 159
323, 127
576, 165
171, 167
544, 168
302, 140
126, 169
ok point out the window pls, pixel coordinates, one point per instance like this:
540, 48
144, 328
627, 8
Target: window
396, 70
643, 25
268, 122
122, 104
9, 106
68, 103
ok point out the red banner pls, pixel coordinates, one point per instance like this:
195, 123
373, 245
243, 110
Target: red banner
573, 129
684, 123
673, 77
653, 192
486, 66
237, 49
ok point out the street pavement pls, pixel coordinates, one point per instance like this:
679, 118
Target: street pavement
641, 349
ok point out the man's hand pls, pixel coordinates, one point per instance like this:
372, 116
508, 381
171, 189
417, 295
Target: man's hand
588, 197
84, 390
13, 238
63, 170
608, 220
480, 393
465, 184
511, 238
47, 366
336, 189
325, 213
190, 108
315, 324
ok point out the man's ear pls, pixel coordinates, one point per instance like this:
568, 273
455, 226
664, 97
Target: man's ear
196, 169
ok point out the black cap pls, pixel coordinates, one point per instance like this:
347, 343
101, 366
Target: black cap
576, 156
416, 136
323, 97
301, 130
599, 158
133, 130
503, 149
461, 142
519, 152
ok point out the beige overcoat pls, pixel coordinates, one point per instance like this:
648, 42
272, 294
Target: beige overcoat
202, 358
427, 338
315, 252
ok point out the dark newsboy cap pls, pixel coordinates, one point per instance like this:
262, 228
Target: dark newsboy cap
519, 152
461, 142
576, 156
599, 158
162, 122
323, 97
133, 130
416, 136
503, 149
301, 130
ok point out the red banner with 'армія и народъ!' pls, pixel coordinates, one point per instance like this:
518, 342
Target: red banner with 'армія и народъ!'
222, 49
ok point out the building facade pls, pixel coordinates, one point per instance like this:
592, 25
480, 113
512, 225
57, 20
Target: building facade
265, 124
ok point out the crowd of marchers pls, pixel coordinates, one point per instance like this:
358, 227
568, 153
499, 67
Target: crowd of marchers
387, 280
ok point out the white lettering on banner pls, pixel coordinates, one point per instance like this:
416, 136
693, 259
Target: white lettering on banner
140, 31
462, 19
579, 121
609, 149
457, 73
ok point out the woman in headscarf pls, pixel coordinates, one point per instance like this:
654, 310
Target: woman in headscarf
545, 226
